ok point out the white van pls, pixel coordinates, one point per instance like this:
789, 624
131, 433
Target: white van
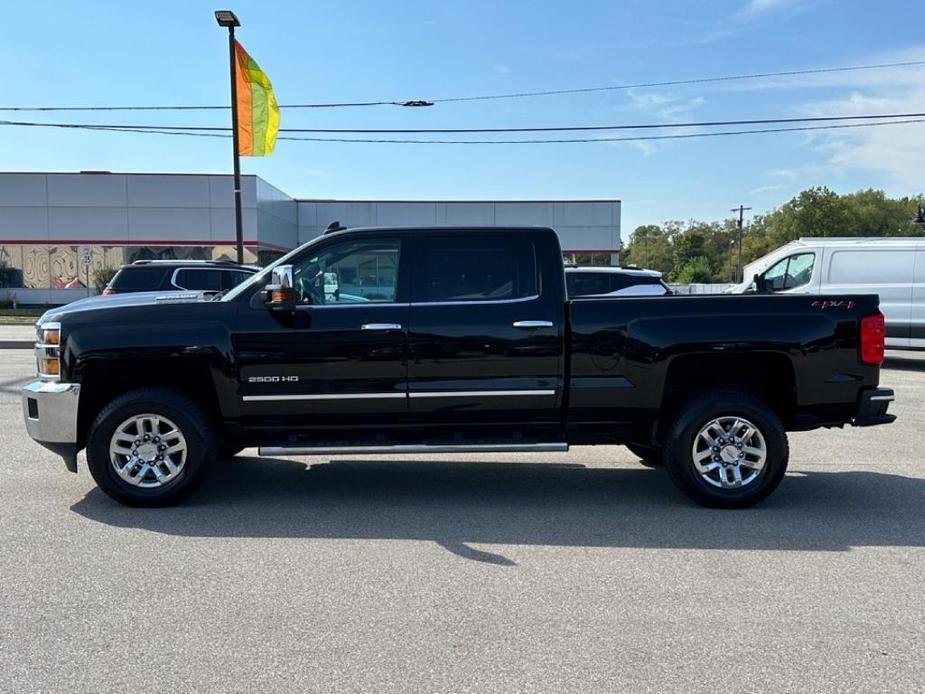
893, 267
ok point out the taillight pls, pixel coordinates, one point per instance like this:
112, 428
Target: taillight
873, 335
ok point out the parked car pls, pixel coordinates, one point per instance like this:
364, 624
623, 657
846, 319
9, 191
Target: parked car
207, 276
468, 344
892, 268
614, 281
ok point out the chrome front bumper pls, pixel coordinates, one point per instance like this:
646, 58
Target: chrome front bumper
50, 412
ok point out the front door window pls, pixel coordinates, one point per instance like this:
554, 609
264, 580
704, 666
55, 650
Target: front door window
791, 272
351, 272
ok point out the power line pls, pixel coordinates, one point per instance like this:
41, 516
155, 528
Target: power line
489, 97
585, 128
638, 138
675, 83
410, 103
460, 131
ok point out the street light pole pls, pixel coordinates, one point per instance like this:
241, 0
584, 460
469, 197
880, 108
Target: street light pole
227, 18
739, 223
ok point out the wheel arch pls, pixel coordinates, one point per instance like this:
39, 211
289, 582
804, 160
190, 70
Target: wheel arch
103, 381
766, 376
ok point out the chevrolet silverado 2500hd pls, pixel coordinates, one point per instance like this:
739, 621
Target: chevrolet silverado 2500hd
442, 340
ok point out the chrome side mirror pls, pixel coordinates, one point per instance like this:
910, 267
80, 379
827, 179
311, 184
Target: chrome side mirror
280, 293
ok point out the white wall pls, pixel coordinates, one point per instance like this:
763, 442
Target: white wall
44, 297
88, 209
583, 225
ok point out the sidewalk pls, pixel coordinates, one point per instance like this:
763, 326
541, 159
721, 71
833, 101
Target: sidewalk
17, 336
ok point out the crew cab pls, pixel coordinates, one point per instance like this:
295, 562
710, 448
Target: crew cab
442, 340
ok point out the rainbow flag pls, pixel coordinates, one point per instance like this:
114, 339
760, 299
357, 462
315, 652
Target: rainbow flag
258, 112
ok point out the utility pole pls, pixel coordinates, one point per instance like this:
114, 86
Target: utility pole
739, 225
227, 19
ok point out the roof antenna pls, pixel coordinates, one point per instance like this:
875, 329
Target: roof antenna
334, 226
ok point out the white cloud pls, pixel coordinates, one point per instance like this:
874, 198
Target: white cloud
756, 7
894, 150
766, 189
749, 16
666, 107
800, 172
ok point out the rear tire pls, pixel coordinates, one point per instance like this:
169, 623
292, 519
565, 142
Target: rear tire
173, 448
726, 450
650, 456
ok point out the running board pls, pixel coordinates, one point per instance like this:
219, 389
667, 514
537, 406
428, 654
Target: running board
408, 449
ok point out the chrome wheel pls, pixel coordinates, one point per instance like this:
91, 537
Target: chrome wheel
729, 452
148, 451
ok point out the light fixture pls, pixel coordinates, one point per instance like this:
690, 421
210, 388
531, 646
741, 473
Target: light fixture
226, 18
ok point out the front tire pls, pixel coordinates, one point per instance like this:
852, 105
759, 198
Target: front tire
726, 450
151, 447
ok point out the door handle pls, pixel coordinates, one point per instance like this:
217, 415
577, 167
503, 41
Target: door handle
381, 326
527, 324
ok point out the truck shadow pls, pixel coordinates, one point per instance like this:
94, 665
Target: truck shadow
456, 504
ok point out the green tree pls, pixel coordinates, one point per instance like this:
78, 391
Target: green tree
814, 212
695, 270
709, 251
102, 275
689, 245
649, 247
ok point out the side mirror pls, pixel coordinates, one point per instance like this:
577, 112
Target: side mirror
760, 285
280, 294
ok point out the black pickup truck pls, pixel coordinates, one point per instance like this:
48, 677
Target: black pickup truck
449, 340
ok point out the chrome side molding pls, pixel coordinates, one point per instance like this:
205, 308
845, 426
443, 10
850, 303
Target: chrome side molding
527, 324
556, 447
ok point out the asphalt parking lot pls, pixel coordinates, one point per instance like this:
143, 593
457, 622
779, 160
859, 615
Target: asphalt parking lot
578, 572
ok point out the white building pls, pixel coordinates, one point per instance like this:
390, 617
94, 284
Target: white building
51, 222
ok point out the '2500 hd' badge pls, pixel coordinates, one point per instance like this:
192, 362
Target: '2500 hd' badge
272, 379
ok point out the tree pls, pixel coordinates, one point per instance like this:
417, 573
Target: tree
102, 275
695, 270
814, 212
709, 251
649, 247
689, 245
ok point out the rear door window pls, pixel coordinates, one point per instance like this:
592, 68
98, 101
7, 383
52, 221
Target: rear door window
139, 278
587, 283
199, 279
477, 267
232, 278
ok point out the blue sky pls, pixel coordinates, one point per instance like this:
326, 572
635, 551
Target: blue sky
100, 53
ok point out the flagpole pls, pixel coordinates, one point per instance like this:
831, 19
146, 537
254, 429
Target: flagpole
227, 18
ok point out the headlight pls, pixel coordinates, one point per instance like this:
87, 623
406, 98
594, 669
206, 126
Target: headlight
48, 351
